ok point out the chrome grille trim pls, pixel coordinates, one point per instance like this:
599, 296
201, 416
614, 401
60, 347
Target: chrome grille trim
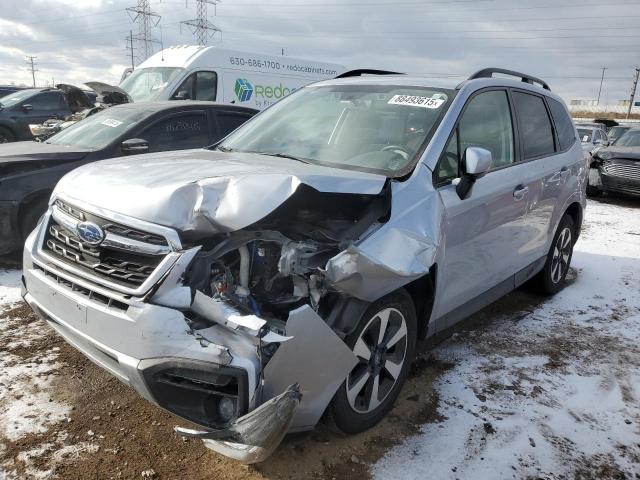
81, 274
623, 170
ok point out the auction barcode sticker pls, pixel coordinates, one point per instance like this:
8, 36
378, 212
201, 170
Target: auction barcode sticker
416, 101
110, 122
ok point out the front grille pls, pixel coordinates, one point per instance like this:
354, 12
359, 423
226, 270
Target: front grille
129, 269
624, 170
90, 294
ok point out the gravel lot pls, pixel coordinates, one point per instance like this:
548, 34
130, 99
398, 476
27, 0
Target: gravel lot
532, 387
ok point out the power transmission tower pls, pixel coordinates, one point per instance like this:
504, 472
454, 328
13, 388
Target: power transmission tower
633, 92
130, 38
30, 59
201, 27
600, 89
146, 20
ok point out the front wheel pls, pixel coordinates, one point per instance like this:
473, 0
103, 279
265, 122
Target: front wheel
551, 279
384, 343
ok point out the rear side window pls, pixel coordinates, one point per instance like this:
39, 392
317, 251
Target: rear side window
229, 121
564, 125
534, 124
178, 132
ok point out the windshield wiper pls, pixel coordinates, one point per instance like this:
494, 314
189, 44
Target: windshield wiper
283, 155
224, 149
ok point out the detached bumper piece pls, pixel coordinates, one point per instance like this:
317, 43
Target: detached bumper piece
253, 437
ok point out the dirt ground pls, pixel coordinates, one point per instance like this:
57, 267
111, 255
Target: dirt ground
110, 432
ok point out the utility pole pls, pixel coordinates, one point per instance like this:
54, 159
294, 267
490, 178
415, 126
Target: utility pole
146, 20
30, 59
201, 27
600, 90
633, 92
129, 39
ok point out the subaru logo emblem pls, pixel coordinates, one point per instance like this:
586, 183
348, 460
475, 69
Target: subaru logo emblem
90, 233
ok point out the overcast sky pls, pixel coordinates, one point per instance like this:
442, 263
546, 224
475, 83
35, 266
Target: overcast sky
566, 42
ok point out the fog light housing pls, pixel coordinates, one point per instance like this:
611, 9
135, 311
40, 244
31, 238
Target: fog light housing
226, 409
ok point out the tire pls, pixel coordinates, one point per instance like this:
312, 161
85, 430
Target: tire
354, 407
551, 279
30, 215
6, 135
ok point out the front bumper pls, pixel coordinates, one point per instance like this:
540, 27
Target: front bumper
146, 342
618, 176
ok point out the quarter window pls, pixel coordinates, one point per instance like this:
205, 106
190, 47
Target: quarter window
178, 132
534, 125
564, 126
485, 123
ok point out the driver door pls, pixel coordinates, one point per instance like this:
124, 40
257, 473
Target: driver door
484, 232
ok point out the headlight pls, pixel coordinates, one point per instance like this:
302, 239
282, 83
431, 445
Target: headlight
604, 155
35, 130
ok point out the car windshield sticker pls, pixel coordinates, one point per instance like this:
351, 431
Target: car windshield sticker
110, 122
585, 138
416, 101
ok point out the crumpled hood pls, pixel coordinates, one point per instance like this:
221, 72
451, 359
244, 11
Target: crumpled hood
203, 190
28, 151
631, 153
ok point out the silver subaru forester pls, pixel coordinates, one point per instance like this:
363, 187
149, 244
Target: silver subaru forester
287, 272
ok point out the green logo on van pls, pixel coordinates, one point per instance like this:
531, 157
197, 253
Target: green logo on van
243, 89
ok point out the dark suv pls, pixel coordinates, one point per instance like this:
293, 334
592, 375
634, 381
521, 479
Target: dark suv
33, 106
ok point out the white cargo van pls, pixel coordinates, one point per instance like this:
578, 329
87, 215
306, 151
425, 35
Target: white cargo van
229, 76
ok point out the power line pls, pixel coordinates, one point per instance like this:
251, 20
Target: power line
30, 59
201, 27
146, 20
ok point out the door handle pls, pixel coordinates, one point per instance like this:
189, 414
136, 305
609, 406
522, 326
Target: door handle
520, 192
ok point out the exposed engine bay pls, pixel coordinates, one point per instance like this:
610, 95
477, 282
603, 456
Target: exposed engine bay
277, 264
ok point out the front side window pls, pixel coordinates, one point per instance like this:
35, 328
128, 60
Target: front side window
534, 125
374, 128
178, 132
485, 123
47, 101
198, 86
16, 98
147, 84
564, 125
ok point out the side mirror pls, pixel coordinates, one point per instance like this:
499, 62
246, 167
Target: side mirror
135, 145
182, 95
27, 107
476, 163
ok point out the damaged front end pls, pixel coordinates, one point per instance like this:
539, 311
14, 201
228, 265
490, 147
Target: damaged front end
236, 325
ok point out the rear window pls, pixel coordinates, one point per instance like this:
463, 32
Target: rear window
564, 125
534, 125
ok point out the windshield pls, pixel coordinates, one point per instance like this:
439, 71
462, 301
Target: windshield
630, 139
616, 132
375, 128
585, 134
146, 84
99, 130
17, 97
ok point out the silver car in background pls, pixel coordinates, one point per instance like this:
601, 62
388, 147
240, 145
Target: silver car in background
591, 137
287, 273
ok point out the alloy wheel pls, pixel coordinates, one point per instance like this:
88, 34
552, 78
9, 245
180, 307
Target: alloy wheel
561, 255
381, 349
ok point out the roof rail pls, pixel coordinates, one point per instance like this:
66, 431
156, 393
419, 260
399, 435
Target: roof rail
366, 71
488, 73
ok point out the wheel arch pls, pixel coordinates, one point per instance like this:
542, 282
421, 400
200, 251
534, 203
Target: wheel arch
576, 213
30, 200
423, 291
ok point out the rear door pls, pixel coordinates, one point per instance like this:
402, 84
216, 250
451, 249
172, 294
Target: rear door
545, 172
483, 234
